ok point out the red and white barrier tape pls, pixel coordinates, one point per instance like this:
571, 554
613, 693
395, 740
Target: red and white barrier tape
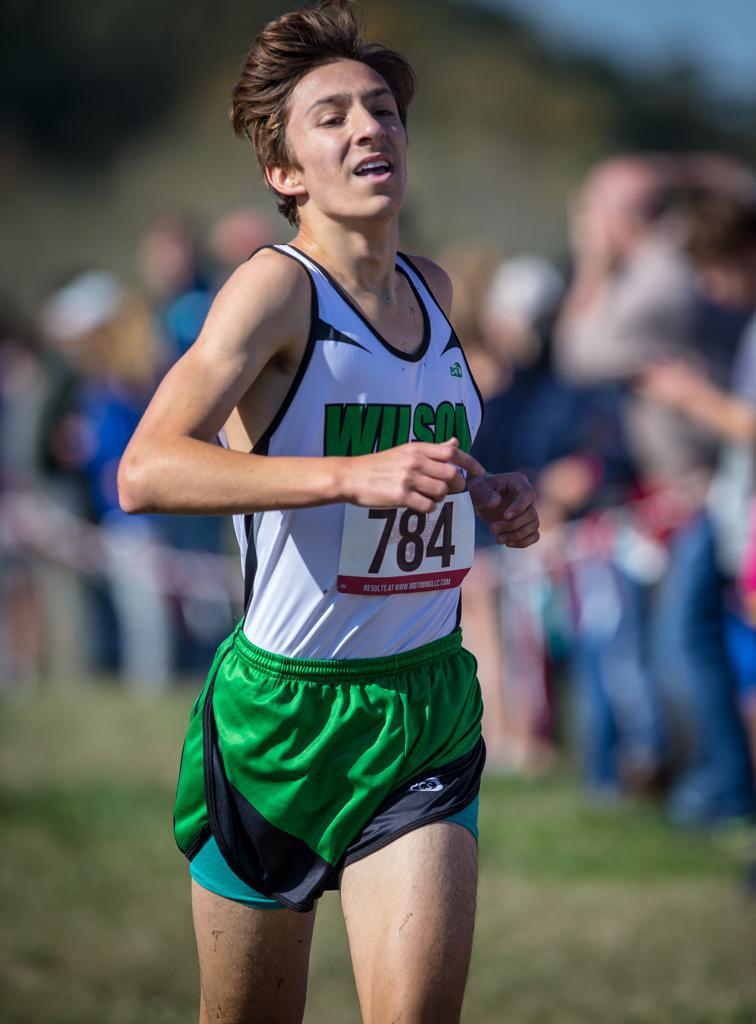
31, 524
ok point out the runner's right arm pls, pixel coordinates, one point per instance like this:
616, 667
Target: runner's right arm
171, 464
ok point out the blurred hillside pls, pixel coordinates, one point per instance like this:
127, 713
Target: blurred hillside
110, 113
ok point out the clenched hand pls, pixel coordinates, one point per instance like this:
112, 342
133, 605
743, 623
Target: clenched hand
506, 501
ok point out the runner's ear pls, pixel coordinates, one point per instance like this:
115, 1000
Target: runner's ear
285, 181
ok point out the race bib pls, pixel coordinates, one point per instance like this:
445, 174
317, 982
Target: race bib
397, 551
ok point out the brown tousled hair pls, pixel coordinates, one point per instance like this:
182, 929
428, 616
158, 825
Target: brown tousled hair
286, 50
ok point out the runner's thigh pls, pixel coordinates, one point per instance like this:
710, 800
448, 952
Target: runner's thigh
253, 963
409, 911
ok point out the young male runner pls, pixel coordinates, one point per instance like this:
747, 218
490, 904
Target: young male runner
338, 734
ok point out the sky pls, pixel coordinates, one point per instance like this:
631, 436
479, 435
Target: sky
717, 36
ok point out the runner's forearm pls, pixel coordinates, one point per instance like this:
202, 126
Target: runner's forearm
194, 477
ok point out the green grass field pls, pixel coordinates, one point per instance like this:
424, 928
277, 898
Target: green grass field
583, 916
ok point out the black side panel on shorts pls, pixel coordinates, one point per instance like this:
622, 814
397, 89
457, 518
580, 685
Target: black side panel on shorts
432, 796
268, 859
198, 843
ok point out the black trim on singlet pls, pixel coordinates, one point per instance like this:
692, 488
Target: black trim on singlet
263, 443
458, 619
454, 341
327, 332
268, 245
250, 561
409, 357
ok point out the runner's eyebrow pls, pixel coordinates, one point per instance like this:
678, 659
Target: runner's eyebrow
343, 98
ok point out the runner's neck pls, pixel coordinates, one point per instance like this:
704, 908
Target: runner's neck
363, 262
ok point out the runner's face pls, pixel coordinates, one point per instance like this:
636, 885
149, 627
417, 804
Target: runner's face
345, 135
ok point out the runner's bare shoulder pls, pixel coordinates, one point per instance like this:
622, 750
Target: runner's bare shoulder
260, 315
437, 280
265, 304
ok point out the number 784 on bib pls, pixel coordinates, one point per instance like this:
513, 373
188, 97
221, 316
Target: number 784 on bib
398, 551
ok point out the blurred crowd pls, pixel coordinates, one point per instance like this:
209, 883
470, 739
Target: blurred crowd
623, 383
85, 588
626, 389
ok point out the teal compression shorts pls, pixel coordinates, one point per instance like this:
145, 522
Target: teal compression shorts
209, 869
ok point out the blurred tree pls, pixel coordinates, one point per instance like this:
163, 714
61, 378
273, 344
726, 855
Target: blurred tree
79, 79
113, 111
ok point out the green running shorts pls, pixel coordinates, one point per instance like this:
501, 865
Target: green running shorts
297, 768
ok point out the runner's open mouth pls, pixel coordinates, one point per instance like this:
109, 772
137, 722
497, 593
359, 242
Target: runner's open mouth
375, 168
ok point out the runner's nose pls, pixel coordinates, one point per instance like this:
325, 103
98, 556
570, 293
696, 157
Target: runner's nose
368, 127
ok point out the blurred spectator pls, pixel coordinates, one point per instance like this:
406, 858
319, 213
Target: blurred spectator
636, 299
181, 286
710, 637
584, 468
742, 631
108, 337
470, 268
718, 174
23, 389
235, 236
518, 433
72, 645
632, 297
506, 592
178, 284
22, 394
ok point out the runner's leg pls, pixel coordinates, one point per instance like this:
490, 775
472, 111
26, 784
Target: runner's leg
409, 910
253, 963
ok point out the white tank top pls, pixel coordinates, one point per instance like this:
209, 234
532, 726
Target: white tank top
340, 581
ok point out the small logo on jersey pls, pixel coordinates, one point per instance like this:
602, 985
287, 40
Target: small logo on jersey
432, 785
455, 370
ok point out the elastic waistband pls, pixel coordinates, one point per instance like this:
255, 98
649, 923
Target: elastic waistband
344, 668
